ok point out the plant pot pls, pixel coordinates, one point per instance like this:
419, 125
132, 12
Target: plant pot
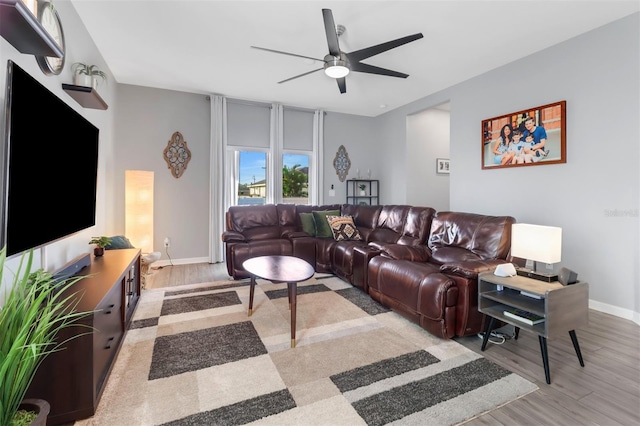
363, 192
38, 406
98, 251
83, 80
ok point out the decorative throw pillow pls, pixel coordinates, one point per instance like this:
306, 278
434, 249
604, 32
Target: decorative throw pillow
118, 242
343, 228
308, 224
323, 230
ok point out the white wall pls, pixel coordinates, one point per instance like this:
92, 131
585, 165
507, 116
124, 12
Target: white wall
428, 136
597, 74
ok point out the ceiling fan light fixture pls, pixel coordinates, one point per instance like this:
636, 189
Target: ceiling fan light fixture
336, 68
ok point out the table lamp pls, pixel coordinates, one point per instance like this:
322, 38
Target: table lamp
538, 244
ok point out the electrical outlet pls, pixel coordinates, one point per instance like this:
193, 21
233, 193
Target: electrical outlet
167, 243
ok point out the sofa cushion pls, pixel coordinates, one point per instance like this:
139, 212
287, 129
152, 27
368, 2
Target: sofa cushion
343, 228
323, 230
308, 223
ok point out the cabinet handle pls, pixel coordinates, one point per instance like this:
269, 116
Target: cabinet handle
109, 340
129, 293
107, 312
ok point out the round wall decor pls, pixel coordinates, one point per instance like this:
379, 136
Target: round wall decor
50, 20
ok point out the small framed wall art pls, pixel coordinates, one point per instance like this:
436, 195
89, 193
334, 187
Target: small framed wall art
442, 166
533, 137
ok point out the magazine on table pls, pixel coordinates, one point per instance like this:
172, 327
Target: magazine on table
524, 316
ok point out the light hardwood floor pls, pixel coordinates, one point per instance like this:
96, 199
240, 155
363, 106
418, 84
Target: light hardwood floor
605, 392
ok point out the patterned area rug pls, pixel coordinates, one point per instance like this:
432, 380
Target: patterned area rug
194, 357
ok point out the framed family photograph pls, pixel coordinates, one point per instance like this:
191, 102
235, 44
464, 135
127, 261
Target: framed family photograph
442, 166
533, 137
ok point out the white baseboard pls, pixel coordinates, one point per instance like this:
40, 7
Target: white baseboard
188, 261
615, 311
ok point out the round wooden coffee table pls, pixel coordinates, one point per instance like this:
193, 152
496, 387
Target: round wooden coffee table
287, 269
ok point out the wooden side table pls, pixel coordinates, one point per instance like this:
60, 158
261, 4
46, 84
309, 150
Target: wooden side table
564, 308
287, 269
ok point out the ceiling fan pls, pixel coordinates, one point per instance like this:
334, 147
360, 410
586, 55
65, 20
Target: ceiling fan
337, 64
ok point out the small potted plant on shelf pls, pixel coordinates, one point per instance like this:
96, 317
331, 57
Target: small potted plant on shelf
101, 243
87, 75
362, 187
36, 308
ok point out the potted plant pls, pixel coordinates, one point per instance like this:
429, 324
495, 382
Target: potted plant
101, 243
36, 307
87, 75
362, 187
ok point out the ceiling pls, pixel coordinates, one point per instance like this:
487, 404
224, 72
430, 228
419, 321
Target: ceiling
204, 46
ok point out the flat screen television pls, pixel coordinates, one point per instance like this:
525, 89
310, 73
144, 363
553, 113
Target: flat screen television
49, 160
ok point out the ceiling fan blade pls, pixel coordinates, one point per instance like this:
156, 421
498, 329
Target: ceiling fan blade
342, 84
370, 69
300, 75
286, 53
332, 35
368, 52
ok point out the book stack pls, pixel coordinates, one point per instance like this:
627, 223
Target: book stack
524, 316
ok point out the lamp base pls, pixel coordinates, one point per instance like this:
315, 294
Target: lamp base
529, 273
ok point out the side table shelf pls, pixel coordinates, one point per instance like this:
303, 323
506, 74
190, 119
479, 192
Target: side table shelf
88, 97
564, 308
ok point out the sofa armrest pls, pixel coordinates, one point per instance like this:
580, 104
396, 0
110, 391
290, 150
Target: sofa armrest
361, 258
402, 252
470, 268
295, 234
233, 237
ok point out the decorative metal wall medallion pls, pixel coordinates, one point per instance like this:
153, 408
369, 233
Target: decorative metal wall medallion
341, 163
177, 155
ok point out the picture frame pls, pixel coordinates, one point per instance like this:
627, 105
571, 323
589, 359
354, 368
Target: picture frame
541, 132
442, 166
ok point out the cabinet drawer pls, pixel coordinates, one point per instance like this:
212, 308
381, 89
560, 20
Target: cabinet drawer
107, 334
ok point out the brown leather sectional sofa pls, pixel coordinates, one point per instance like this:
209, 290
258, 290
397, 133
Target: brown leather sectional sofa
422, 264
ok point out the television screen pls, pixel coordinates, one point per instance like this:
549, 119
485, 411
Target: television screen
50, 165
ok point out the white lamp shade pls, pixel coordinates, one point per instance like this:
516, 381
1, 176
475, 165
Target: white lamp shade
139, 209
536, 242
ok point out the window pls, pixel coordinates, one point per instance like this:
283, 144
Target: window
272, 154
295, 178
252, 177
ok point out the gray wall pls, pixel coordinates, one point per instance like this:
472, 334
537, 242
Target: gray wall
428, 138
594, 196
358, 135
146, 118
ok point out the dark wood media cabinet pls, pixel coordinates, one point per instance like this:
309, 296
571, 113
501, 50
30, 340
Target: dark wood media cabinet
72, 380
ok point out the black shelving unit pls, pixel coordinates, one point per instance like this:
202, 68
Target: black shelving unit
369, 195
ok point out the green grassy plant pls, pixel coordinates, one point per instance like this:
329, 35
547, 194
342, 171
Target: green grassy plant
100, 241
35, 309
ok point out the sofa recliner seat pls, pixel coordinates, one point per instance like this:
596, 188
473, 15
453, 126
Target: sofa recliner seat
460, 246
